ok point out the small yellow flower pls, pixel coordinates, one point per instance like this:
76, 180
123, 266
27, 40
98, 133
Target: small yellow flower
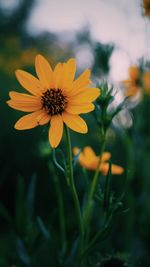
132, 83
89, 160
146, 6
55, 98
136, 81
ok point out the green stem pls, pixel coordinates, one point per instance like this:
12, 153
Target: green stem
88, 209
56, 162
73, 189
98, 235
61, 215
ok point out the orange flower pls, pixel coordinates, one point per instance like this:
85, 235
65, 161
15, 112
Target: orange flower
146, 6
132, 83
134, 73
89, 160
54, 97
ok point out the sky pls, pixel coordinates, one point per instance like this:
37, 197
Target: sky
119, 22
111, 21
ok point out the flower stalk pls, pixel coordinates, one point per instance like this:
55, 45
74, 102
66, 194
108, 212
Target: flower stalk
88, 209
61, 216
73, 190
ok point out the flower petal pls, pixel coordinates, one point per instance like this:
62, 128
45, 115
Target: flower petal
75, 122
89, 153
115, 169
81, 82
43, 70
81, 158
43, 118
71, 66
78, 109
87, 95
26, 107
132, 91
106, 156
28, 121
69, 69
58, 75
29, 82
76, 151
134, 73
56, 130
24, 97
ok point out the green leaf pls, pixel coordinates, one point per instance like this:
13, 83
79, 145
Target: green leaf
43, 228
22, 253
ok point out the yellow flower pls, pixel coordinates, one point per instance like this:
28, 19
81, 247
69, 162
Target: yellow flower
132, 83
136, 81
146, 6
89, 160
55, 98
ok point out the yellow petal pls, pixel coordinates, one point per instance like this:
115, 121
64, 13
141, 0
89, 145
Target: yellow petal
19, 97
58, 75
82, 158
115, 169
43, 118
26, 107
71, 68
89, 153
87, 95
81, 82
68, 73
76, 150
90, 158
43, 70
78, 109
134, 72
29, 82
56, 130
132, 91
75, 122
28, 121
128, 83
106, 156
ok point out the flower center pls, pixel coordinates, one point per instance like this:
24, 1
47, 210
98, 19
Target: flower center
53, 101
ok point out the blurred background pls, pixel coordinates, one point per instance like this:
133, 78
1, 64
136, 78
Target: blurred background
112, 38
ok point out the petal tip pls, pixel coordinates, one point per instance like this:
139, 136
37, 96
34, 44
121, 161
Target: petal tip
71, 60
54, 145
17, 72
38, 56
8, 102
16, 126
85, 131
